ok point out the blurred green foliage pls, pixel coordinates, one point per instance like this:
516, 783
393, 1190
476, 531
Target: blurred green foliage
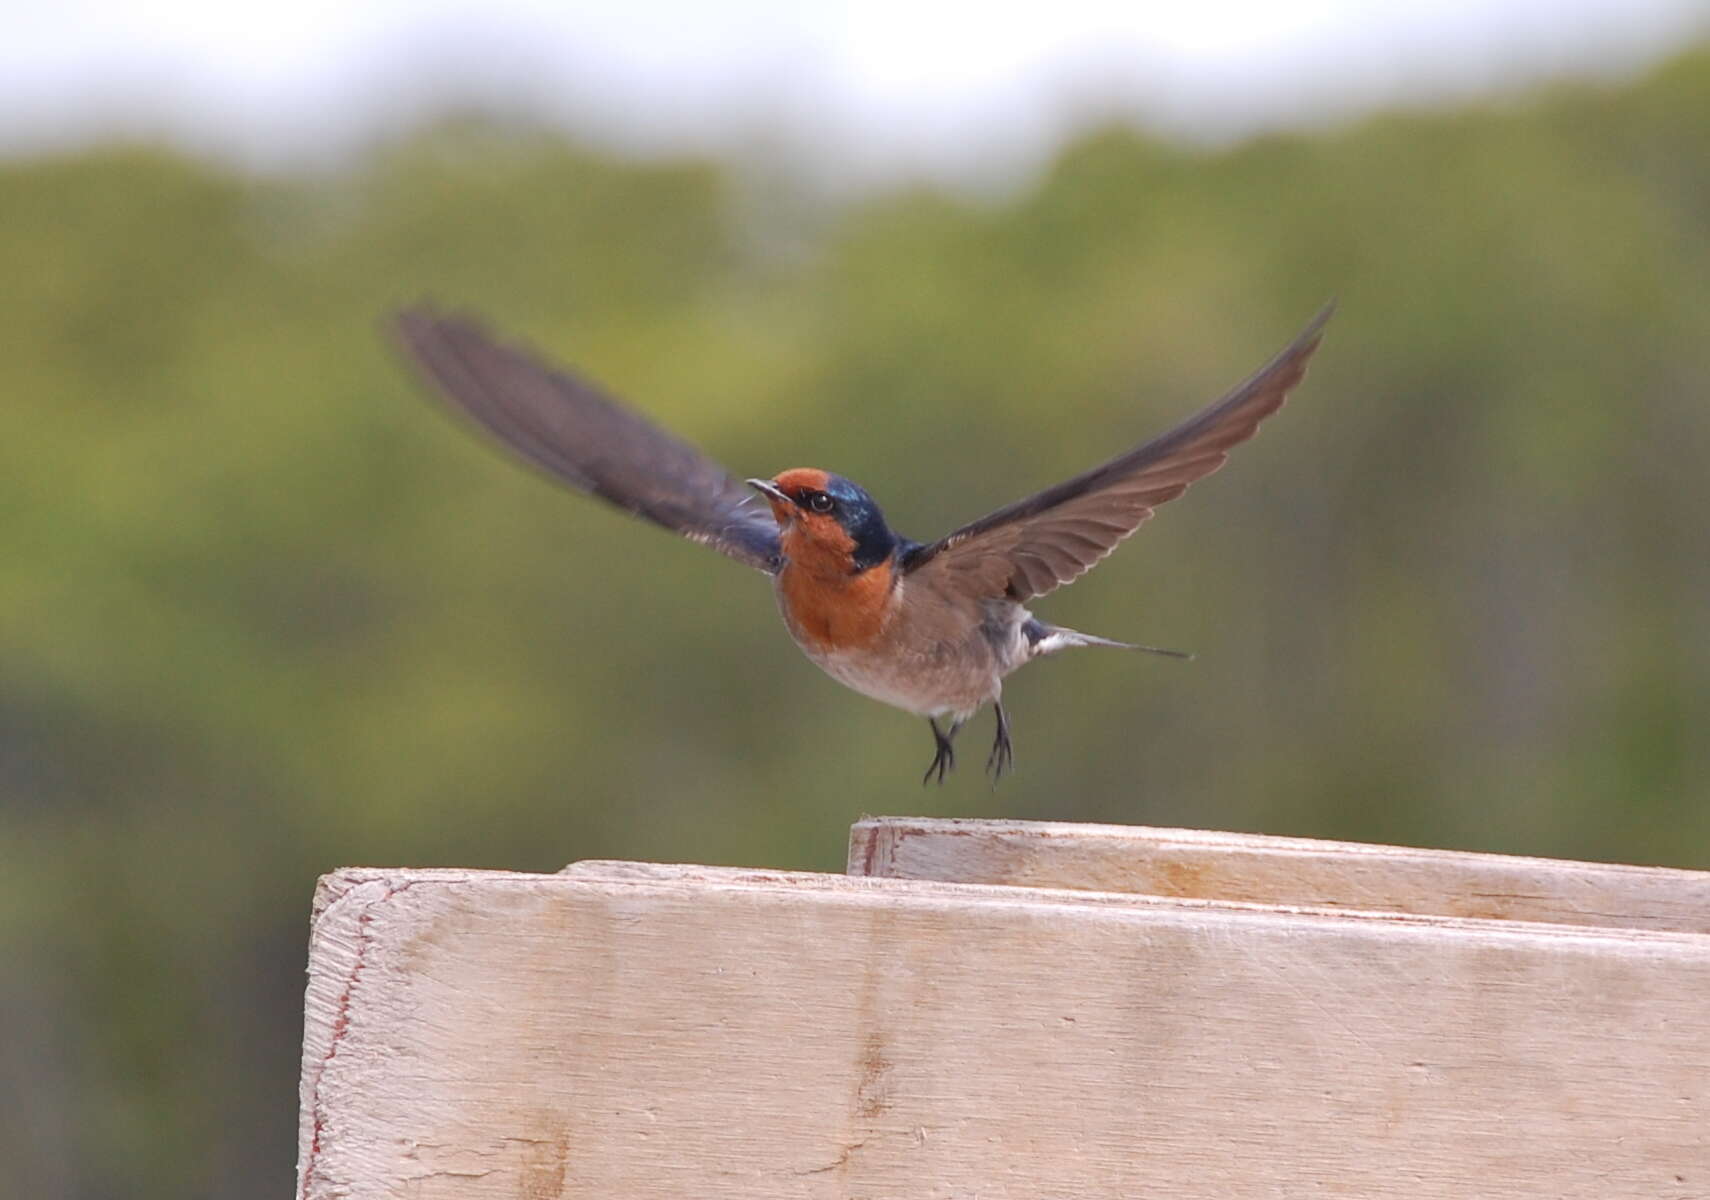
263, 612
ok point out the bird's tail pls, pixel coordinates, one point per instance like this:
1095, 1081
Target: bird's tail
1048, 639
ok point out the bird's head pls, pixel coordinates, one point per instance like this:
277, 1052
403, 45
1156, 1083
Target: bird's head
827, 518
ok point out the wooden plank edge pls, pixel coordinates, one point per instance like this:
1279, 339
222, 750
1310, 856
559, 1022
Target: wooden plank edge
885, 890
1208, 864
872, 840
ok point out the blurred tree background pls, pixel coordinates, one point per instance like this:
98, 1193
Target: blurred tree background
266, 613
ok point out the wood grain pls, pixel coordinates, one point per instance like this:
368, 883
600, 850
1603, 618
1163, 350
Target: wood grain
642, 1032
1196, 864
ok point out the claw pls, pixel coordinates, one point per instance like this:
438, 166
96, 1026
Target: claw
945, 757
1002, 757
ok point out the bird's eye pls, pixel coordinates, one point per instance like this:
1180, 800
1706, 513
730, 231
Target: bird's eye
819, 502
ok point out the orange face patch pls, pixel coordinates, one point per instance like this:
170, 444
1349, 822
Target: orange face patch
792, 484
813, 541
817, 542
798, 479
816, 537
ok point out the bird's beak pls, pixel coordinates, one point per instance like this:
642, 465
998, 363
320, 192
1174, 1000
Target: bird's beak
769, 490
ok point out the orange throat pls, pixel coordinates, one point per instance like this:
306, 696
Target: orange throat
827, 608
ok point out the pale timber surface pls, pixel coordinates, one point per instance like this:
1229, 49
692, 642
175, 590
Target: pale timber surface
641, 1032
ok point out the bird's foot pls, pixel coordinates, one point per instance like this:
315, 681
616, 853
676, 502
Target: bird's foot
1002, 758
945, 758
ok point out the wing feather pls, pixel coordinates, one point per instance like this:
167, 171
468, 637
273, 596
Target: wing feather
569, 428
1036, 545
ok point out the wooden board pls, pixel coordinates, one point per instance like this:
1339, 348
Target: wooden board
1191, 863
636, 1032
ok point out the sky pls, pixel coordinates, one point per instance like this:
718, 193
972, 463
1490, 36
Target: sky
882, 86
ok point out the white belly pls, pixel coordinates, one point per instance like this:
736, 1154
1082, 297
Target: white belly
883, 685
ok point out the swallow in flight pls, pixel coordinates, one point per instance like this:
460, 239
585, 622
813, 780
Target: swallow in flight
930, 627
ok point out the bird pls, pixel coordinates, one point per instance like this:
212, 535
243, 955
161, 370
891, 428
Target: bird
932, 628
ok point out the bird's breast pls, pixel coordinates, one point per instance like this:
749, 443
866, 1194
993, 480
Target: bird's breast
834, 612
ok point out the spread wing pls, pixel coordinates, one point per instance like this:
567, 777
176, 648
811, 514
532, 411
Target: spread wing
1038, 544
570, 429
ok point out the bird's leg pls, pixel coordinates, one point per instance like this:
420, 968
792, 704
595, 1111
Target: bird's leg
945, 758
1002, 757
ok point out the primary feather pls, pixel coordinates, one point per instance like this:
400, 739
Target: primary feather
1036, 545
572, 430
